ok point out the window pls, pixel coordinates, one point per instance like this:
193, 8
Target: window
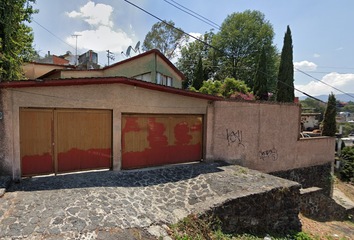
144, 77
163, 80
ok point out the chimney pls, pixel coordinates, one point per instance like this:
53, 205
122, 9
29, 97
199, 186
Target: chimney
48, 53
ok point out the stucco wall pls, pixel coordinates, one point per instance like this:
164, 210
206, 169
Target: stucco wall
6, 144
33, 70
263, 136
119, 98
80, 74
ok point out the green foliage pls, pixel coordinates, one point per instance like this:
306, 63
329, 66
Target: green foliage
241, 38
348, 128
230, 88
15, 37
329, 121
165, 38
285, 87
347, 166
260, 89
190, 54
198, 75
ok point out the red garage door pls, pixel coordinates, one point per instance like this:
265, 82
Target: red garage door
149, 140
57, 141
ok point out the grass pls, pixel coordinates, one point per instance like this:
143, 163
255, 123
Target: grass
193, 228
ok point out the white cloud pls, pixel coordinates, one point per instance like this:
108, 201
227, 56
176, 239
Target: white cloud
344, 82
305, 66
98, 14
340, 48
316, 55
101, 39
102, 35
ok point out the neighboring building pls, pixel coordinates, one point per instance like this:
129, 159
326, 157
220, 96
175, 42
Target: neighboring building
34, 70
69, 57
52, 59
88, 60
151, 66
310, 121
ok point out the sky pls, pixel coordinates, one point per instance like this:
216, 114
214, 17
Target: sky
322, 31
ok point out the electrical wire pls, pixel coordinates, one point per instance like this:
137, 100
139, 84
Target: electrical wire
207, 21
294, 68
207, 44
324, 82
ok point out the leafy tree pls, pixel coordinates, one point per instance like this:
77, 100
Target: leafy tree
347, 166
15, 37
230, 88
198, 75
165, 38
189, 56
260, 89
329, 121
285, 88
241, 38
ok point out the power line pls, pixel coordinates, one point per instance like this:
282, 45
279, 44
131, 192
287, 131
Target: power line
207, 21
324, 83
257, 69
207, 44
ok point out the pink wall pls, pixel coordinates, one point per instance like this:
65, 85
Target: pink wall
263, 136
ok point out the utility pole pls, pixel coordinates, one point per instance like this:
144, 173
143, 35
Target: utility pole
110, 55
75, 35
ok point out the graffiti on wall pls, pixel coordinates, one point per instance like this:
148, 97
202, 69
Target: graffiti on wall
234, 137
269, 154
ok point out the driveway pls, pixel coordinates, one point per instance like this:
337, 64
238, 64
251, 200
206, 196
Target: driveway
78, 206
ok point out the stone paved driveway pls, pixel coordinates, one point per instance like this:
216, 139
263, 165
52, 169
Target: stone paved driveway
76, 206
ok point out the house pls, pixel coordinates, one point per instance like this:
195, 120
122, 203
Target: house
33, 70
310, 121
151, 66
88, 60
76, 122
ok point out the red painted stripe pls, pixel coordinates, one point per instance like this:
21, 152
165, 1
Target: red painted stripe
76, 159
37, 164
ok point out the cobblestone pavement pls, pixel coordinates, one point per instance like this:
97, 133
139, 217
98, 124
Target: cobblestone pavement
86, 205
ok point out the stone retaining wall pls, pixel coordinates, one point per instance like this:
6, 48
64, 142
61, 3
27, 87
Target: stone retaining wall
314, 176
314, 204
271, 211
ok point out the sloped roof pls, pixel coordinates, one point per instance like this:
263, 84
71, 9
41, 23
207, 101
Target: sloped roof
153, 51
105, 80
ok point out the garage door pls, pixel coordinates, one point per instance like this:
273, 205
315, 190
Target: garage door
149, 140
58, 141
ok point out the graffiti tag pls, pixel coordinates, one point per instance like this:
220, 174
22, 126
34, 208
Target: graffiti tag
234, 137
271, 154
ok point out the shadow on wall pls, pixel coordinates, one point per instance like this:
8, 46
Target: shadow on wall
133, 178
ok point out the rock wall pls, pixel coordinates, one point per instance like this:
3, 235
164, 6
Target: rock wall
272, 211
314, 204
316, 176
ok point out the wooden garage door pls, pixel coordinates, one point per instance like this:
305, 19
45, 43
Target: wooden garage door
149, 140
83, 139
57, 141
36, 141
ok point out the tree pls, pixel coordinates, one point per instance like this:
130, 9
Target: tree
329, 121
285, 87
165, 38
198, 75
260, 89
230, 88
189, 57
241, 38
15, 37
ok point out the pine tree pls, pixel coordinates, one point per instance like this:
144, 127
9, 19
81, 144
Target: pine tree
329, 121
260, 89
285, 87
198, 75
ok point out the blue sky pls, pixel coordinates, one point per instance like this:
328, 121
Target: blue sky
322, 31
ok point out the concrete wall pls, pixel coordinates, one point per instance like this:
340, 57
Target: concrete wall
120, 98
263, 136
6, 140
33, 70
